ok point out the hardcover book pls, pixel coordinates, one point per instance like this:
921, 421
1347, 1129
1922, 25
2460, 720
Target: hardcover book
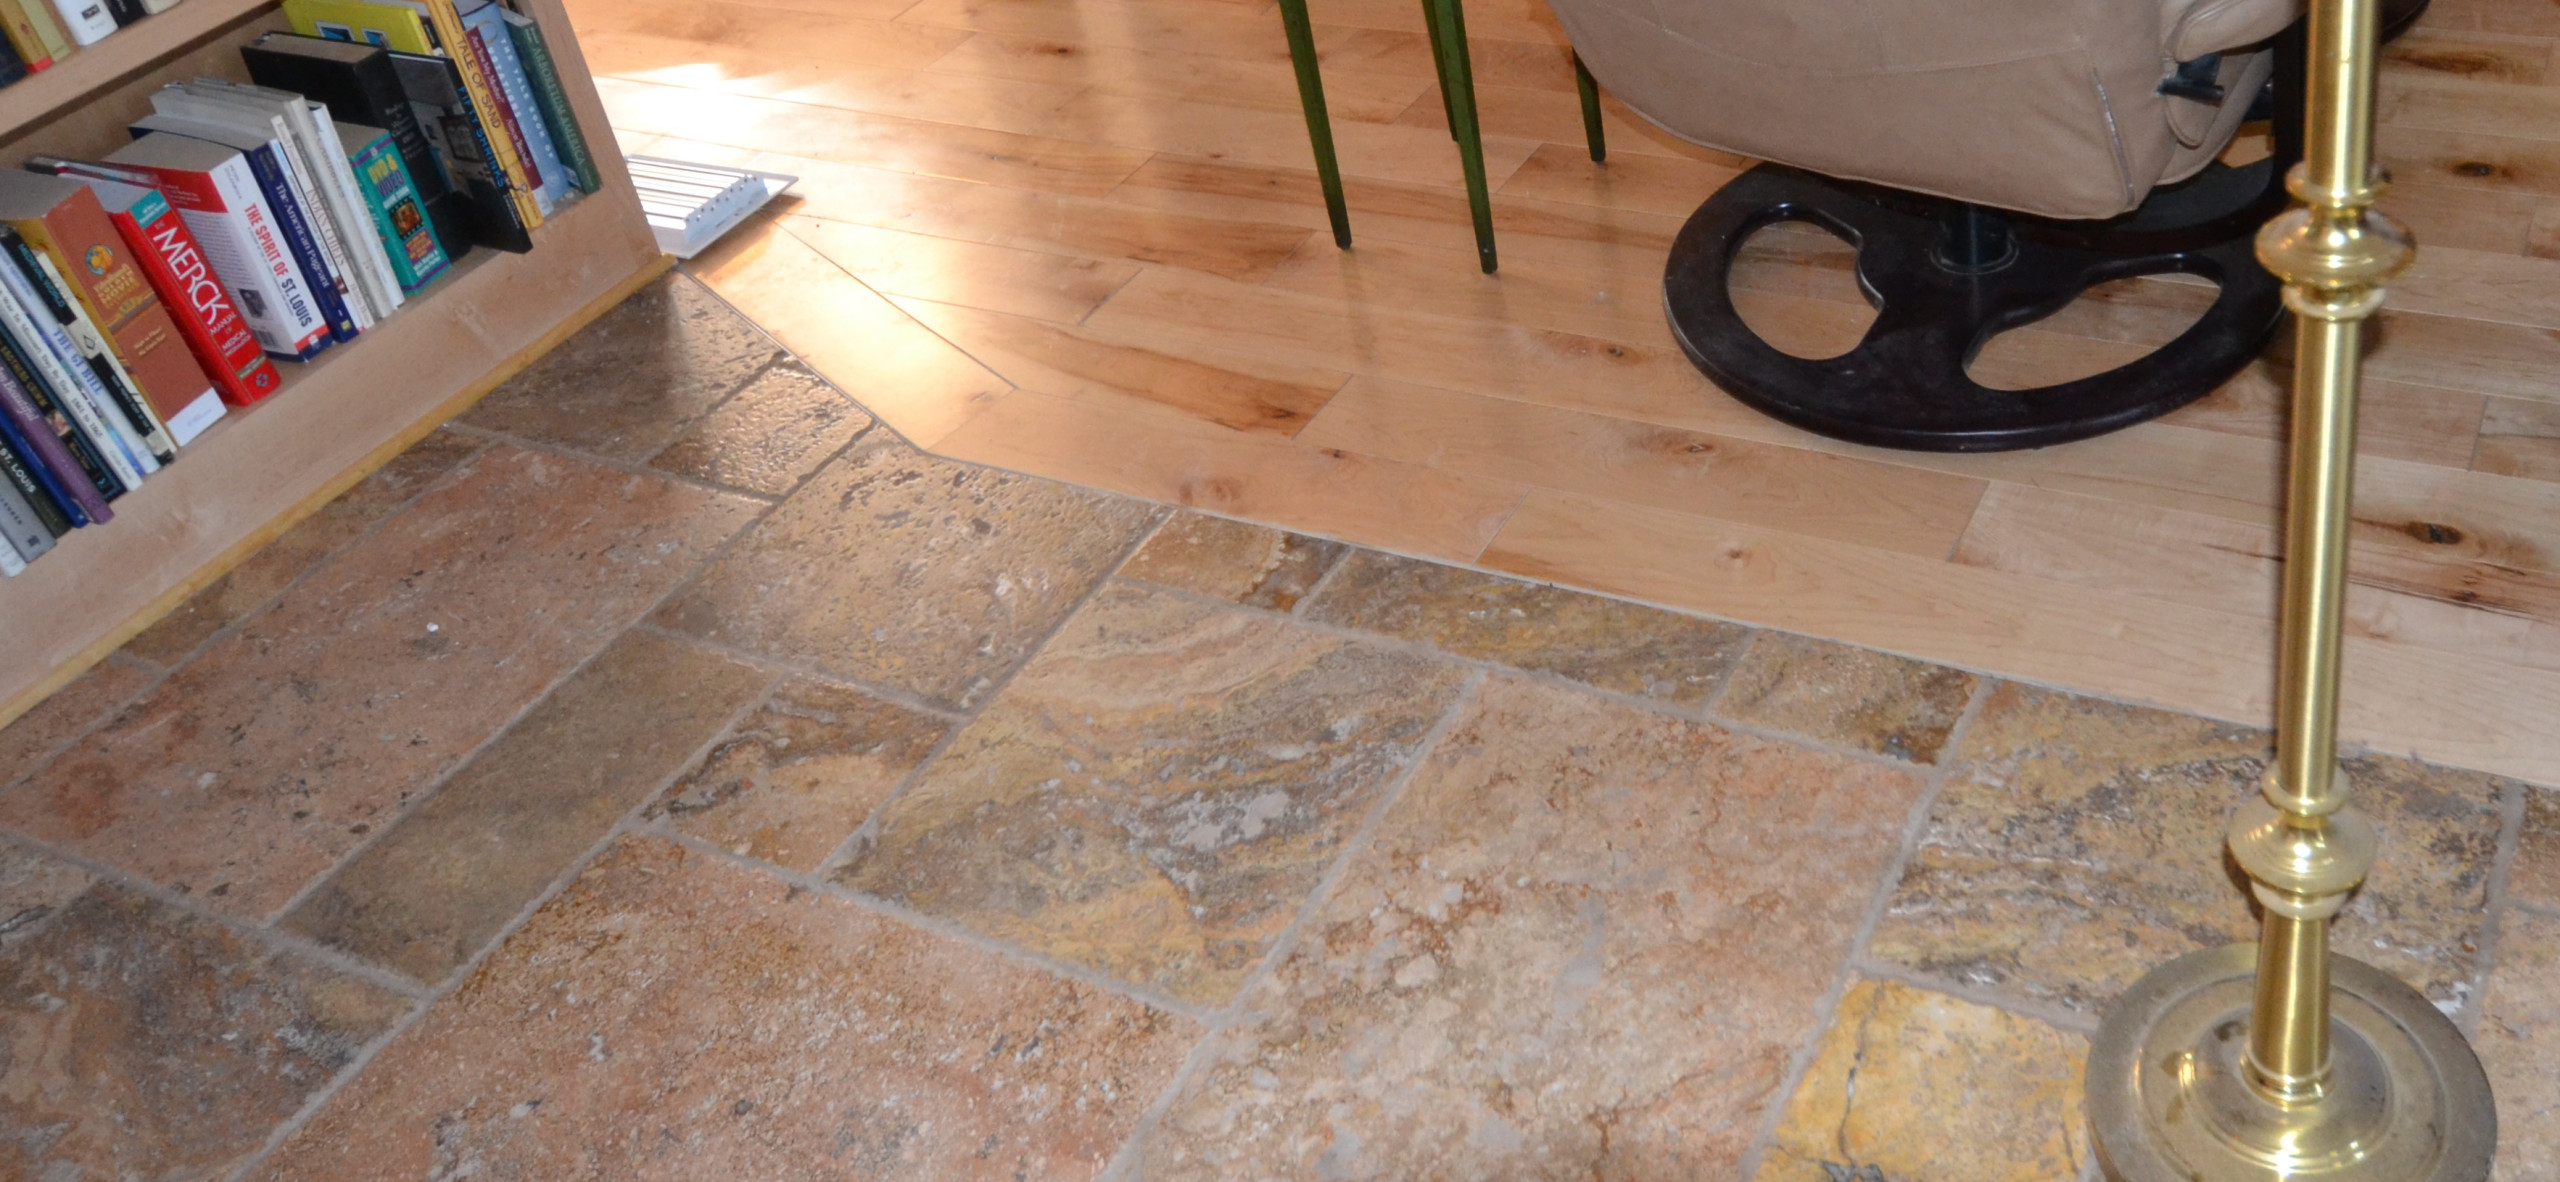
270, 170
92, 360
220, 200
337, 207
359, 85
553, 98
86, 21
23, 38
80, 476
62, 218
28, 474
42, 347
443, 107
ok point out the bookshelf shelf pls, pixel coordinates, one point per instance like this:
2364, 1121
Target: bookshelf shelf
48, 93
261, 469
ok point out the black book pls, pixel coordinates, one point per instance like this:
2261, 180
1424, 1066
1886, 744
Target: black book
358, 84
12, 67
19, 472
125, 11
444, 109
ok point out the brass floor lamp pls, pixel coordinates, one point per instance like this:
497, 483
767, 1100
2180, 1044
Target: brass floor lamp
2284, 1062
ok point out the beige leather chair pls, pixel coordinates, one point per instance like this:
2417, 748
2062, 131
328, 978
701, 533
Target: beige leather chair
2049, 107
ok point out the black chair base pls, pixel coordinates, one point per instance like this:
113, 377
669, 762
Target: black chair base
1946, 277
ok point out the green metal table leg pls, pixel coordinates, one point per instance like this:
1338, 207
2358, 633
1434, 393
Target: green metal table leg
1440, 67
1458, 84
1302, 56
1582, 81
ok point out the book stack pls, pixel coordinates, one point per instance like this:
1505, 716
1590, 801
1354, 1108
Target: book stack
145, 292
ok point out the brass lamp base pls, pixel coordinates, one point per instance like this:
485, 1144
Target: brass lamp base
2405, 1100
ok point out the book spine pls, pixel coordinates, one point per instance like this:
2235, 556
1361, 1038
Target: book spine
118, 396
125, 12
354, 210
447, 24
65, 372
223, 344
79, 248
85, 20
233, 228
67, 379
466, 142
11, 565
415, 254
303, 250
80, 475
510, 92
24, 531
45, 497
12, 67
22, 36
302, 186
553, 98
48, 30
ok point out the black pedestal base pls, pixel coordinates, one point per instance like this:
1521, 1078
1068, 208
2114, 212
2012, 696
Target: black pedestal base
1941, 292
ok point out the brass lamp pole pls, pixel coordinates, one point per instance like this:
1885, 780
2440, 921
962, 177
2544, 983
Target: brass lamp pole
2282, 1061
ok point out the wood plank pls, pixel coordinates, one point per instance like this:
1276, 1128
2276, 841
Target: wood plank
1236, 392
2478, 161
894, 366
1402, 507
1670, 186
1884, 506
1029, 283
2450, 709
994, 104
1415, 155
2392, 419
877, 141
1021, 218
1262, 83
2483, 57
845, 34
2519, 438
1196, 26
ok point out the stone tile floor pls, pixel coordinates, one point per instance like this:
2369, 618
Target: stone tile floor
664, 772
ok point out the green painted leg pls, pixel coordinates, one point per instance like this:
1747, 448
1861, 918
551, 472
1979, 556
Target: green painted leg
1590, 89
1439, 67
1458, 82
1302, 55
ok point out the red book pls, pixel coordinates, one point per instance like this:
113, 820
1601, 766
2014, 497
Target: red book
168, 255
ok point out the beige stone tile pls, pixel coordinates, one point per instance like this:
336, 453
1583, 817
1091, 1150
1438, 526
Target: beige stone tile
628, 383
453, 871
1855, 697
800, 773
2080, 843
2519, 1045
266, 573
2535, 876
32, 888
249, 772
670, 1017
769, 435
1920, 1087
1586, 944
1156, 794
894, 568
28, 743
1601, 642
1238, 561
138, 1042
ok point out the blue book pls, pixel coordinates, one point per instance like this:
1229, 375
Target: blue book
300, 240
16, 441
487, 25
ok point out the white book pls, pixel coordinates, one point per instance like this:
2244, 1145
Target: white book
94, 348
19, 525
218, 198
334, 179
322, 270
246, 122
23, 317
87, 21
11, 566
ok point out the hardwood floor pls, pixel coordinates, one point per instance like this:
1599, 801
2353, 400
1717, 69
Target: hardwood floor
1083, 238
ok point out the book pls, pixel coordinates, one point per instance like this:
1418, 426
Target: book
383, 25
68, 356
92, 360
225, 348
79, 473
27, 474
436, 95
397, 212
11, 566
444, 25
23, 38
297, 193
42, 347
359, 85
125, 12
219, 198
157, 6
341, 214
13, 68
63, 218
20, 529
57, 44
484, 27
86, 21
553, 98
269, 169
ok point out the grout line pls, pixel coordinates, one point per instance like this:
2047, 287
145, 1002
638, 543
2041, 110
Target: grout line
2080, 1022
891, 909
1234, 1014
2511, 809
1304, 609
628, 467
858, 842
192, 907
454, 978
1827, 1008
153, 678
811, 670
1713, 707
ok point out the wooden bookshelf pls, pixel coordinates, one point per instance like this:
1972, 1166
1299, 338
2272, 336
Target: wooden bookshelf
261, 469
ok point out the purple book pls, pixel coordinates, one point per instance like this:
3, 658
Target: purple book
22, 412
